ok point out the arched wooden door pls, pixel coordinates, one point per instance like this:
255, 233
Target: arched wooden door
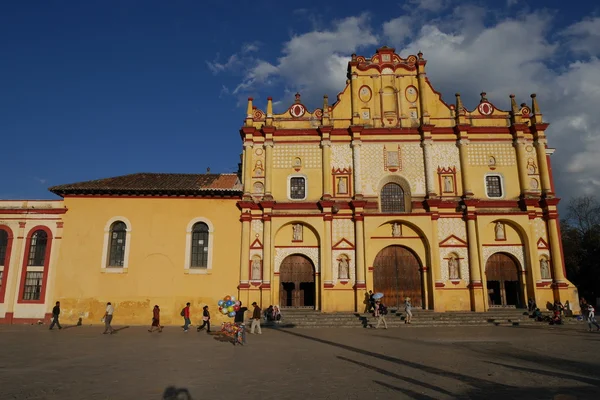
297, 282
503, 284
397, 274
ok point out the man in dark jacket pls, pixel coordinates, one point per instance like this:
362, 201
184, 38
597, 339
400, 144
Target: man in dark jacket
55, 314
255, 319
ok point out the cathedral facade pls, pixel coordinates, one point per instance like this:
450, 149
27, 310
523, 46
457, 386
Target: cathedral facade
388, 188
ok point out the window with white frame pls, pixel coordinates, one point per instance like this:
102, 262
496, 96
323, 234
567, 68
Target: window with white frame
199, 246
200, 242
493, 186
297, 188
117, 242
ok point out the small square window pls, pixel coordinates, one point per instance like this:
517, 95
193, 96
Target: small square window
297, 188
493, 186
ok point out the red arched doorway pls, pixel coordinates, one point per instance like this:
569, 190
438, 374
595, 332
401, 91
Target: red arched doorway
503, 284
297, 282
397, 274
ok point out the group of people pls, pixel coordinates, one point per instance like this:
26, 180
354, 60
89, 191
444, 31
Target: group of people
187, 322
379, 310
272, 314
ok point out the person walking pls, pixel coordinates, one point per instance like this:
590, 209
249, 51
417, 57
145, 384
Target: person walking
205, 320
371, 301
55, 314
379, 313
591, 318
255, 319
408, 310
155, 319
108, 315
185, 313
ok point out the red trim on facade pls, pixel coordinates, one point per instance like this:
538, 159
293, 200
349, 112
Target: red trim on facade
560, 285
256, 244
360, 286
296, 247
502, 244
328, 285
265, 286
543, 285
10, 319
395, 237
33, 210
6, 261
296, 206
439, 284
475, 285
244, 286
462, 242
46, 266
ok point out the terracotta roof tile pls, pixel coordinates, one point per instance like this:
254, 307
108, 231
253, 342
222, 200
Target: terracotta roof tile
154, 183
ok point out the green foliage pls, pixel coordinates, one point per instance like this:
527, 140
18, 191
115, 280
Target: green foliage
581, 245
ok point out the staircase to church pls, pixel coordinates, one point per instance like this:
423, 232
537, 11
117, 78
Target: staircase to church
299, 318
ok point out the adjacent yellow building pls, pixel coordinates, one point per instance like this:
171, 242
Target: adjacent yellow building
389, 189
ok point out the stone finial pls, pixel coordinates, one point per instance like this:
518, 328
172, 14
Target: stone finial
420, 55
208, 170
353, 56
535, 109
297, 97
325, 103
513, 104
523, 104
459, 104
483, 97
269, 106
249, 112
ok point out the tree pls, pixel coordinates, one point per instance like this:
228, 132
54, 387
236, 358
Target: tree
581, 245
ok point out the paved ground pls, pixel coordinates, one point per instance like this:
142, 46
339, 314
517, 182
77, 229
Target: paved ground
420, 363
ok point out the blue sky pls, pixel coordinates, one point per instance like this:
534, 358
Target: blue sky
103, 88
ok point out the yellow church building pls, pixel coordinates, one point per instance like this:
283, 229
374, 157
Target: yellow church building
389, 189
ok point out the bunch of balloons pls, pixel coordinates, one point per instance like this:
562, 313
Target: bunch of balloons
228, 306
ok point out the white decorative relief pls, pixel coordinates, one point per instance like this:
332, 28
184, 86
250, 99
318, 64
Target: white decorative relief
503, 153
343, 229
334, 264
256, 252
310, 252
452, 226
257, 228
517, 251
463, 263
285, 154
540, 229
341, 156
413, 167
445, 155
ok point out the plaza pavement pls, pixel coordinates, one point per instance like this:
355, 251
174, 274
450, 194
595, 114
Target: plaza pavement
540, 362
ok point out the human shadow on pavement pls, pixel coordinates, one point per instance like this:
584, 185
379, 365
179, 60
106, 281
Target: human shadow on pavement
120, 329
551, 374
173, 393
480, 388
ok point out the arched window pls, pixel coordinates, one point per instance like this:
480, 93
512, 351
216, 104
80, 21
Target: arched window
392, 198
37, 250
3, 248
3, 261
118, 239
200, 247
36, 264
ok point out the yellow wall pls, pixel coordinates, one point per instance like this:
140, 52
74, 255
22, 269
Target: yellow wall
155, 274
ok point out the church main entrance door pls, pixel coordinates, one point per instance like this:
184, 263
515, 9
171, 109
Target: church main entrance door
297, 282
503, 285
397, 274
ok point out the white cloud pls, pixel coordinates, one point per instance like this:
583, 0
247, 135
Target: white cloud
429, 5
584, 36
510, 55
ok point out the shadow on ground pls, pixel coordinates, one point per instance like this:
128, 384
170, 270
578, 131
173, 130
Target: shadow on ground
480, 388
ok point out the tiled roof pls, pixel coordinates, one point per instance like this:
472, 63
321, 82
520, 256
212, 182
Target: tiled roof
155, 184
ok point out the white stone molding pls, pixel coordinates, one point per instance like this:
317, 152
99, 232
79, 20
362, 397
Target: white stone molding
105, 246
188, 247
311, 252
517, 251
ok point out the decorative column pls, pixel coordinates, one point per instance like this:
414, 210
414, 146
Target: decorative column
476, 286
427, 145
540, 147
326, 170
267, 261
244, 253
268, 168
436, 271
519, 145
558, 271
248, 148
326, 261
357, 167
423, 88
359, 246
464, 166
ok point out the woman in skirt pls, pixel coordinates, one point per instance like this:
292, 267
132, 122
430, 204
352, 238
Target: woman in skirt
155, 319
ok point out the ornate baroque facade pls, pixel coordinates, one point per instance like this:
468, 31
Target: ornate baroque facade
388, 189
